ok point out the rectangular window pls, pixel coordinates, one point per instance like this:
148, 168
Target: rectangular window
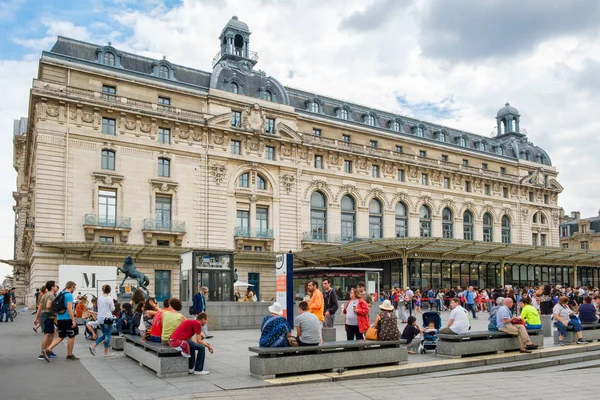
270, 125
375, 171
446, 183
467, 186
262, 222
401, 175
236, 119
564, 231
247, 248
422, 153
373, 143
319, 162
484, 166
243, 223
270, 153
257, 248
163, 212
465, 162
164, 103
486, 189
108, 160
565, 245
107, 239
534, 239
347, 166
346, 138
399, 149
505, 192
444, 158
236, 146
316, 132
109, 126
584, 246
502, 170
163, 243
109, 93
546, 199
107, 207
542, 239
530, 196
164, 135
424, 179
164, 167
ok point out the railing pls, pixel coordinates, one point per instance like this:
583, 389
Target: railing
254, 233
152, 224
107, 221
252, 55
320, 237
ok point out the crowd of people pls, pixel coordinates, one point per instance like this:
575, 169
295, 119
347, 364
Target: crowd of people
57, 312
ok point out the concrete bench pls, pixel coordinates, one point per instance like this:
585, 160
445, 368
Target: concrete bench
591, 332
456, 346
117, 343
271, 362
164, 360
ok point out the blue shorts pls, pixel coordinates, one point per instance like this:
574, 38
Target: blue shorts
49, 326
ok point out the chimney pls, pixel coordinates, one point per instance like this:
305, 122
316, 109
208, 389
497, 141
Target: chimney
575, 214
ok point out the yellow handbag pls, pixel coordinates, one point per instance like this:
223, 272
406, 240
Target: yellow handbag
371, 334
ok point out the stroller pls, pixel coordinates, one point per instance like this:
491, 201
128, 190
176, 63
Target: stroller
429, 341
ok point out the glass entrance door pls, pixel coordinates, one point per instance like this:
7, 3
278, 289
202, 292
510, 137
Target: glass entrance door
218, 284
162, 285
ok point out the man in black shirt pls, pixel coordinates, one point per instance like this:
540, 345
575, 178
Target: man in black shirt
7, 298
331, 303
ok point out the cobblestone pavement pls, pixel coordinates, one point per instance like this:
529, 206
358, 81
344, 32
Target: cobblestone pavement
22, 376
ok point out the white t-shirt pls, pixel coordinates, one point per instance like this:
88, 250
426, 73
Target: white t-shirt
351, 317
106, 306
460, 324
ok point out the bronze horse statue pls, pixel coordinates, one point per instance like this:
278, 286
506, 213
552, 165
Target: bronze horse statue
130, 271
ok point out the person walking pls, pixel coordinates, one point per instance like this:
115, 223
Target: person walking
6, 306
470, 301
45, 317
199, 305
106, 306
37, 298
67, 326
331, 303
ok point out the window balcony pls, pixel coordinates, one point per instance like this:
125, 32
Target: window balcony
94, 223
159, 229
320, 237
253, 233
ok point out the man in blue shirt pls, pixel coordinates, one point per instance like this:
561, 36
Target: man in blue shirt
470, 300
199, 306
67, 326
504, 324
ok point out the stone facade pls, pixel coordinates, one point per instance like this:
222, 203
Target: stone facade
235, 158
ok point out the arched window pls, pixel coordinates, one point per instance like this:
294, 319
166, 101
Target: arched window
527, 156
164, 167
244, 180
370, 120
261, 183
535, 218
318, 216
109, 59
268, 96
425, 221
505, 229
108, 160
447, 223
442, 137
468, 225
401, 220
343, 113
235, 88
395, 126
314, 107
163, 71
543, 218
375, 219
348, 218
482, 146
487, 227
499, 150
419, 131
462, 142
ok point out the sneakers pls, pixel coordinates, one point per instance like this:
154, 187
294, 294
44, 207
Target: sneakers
178, 349
209, 337
72, 358
52, 355
582, 341
185, 355
41, 358
201, 372
561, 343
109, 354
531, 347
46, 354
120, 334
191, 371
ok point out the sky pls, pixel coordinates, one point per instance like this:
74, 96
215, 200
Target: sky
450, 62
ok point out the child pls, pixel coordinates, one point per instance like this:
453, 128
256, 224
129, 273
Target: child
430, 331
125, 319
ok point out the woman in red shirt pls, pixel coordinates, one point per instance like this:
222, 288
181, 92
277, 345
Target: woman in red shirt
357, 316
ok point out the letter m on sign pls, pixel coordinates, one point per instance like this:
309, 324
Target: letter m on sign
87, 282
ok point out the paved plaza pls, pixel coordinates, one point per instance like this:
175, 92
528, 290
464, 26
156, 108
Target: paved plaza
22, 376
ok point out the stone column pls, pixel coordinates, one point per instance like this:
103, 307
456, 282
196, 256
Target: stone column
405, 269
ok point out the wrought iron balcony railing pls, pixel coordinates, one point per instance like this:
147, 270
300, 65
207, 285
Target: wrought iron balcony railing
252, 55
152, 224
107, 221
254, 233
320, 237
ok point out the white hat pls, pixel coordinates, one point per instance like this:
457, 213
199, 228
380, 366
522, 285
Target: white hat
386, 305
276, 309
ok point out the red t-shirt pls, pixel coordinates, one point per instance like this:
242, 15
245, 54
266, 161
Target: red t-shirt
156, 329
187, 329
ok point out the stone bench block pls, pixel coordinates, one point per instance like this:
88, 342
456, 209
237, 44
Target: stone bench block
480, 343
117, 343
329, 334
164, 360
590, 333
547, 325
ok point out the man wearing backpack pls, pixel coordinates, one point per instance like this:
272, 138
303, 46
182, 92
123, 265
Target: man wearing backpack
45, 317
67, 326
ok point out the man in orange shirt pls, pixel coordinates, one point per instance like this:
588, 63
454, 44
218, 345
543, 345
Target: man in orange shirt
316, 303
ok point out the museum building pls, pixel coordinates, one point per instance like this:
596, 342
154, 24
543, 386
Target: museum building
198, 174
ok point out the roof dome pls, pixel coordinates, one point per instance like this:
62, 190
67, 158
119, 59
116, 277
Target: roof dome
236, 24
507, 109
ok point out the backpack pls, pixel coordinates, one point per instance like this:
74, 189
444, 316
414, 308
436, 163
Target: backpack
58, 305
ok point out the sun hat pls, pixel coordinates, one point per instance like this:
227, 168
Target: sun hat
276, 309
387, 306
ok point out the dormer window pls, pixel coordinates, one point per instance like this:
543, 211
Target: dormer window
370, 120
419, 131
343, 113
441, 136
314, 107
462, 142
482, 146
162, 69
395, 125
109, 59
108, 56
499, 150
163, 72
234, 88
267, 95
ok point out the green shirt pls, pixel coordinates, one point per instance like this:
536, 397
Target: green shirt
170, 322
531, 315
